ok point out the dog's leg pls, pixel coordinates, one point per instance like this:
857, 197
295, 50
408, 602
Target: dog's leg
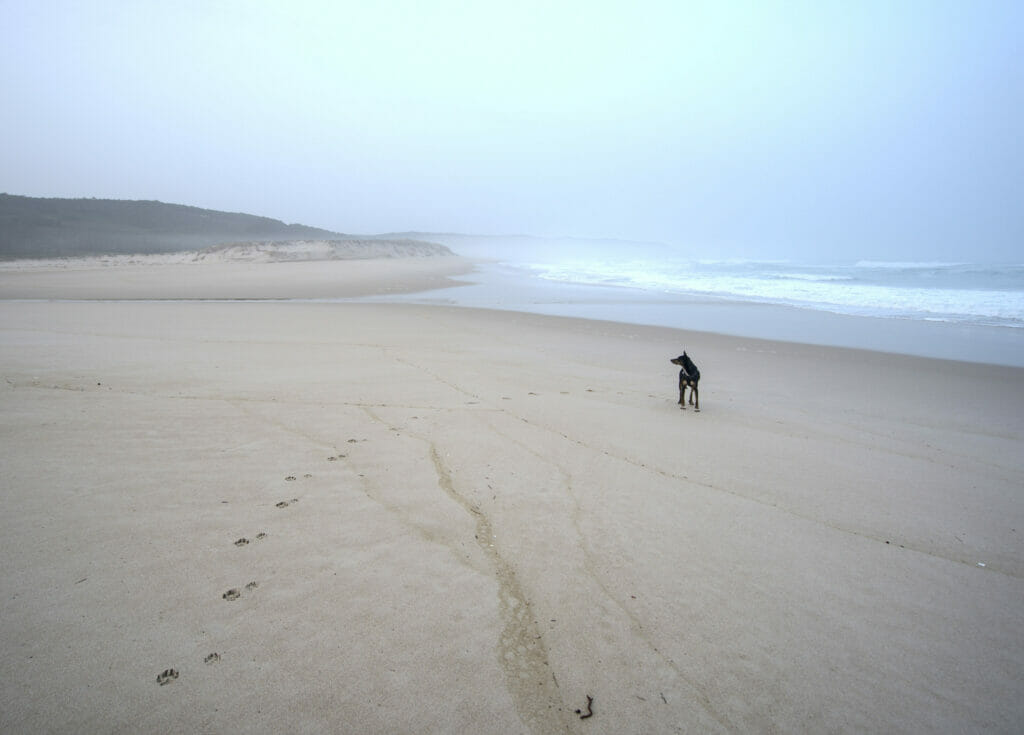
682, 393
695, 394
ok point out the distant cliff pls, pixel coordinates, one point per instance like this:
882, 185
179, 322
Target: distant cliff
48, 228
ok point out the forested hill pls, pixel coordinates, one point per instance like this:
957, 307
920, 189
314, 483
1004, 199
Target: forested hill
47, 228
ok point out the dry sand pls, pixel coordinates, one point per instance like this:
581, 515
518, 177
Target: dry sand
490, 516
176, 276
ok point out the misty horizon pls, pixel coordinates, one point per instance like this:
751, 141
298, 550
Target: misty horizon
817, 132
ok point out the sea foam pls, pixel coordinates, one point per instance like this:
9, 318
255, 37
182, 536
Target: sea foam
984, 294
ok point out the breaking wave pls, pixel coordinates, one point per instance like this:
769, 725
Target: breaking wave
975, 293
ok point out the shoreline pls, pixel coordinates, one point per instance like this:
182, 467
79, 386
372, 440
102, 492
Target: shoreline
475, 283
494, 287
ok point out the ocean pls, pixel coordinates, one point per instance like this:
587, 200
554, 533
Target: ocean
959, 311
966, 293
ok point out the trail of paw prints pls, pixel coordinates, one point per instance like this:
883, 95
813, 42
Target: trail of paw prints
342, 455
245, 542
168, 675
292, 478
234, 593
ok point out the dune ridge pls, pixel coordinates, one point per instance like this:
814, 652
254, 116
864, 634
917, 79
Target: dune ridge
256, 251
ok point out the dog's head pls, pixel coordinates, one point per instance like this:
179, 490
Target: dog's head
681, 360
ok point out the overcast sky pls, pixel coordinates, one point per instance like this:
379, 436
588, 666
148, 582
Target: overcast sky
803, 129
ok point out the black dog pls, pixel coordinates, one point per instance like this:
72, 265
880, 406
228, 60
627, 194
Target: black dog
689, 375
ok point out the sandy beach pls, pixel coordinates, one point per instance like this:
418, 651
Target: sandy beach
401, 518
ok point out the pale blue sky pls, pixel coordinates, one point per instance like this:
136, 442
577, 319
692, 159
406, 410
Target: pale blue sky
812, 129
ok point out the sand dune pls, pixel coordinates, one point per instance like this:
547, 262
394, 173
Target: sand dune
244, 252
276, 252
